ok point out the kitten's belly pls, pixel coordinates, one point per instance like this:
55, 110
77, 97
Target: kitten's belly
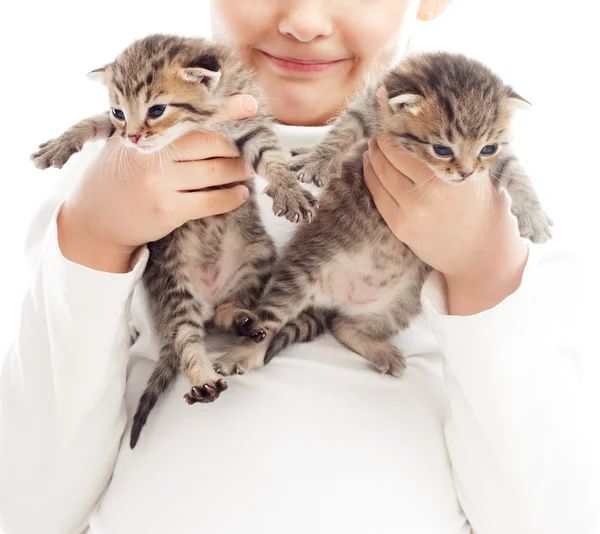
212, 282
354, 284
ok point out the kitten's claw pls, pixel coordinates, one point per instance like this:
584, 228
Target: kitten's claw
294, 203
392, 363
240, 359
244, 324
309, 167
206, 393
228, 370
257, 335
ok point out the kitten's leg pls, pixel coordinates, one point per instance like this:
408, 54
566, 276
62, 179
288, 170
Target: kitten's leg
534, 222
182, 346
248, 285
260, 148
286, 297
360, 338
323, 162
309, 325
180, 318
56, 152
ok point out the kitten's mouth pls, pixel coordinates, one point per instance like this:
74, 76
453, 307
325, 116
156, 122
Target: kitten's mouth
144, 149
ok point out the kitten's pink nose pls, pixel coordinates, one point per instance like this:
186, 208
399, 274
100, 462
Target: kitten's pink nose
134, 138
466, 173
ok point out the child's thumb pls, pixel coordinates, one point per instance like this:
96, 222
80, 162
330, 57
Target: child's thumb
238, 107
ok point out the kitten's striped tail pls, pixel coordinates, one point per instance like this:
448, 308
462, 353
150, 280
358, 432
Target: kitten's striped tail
162, 376
309, 325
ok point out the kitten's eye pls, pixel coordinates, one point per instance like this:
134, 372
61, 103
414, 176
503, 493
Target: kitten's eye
488, 150
443, 151
118, 113
156, 111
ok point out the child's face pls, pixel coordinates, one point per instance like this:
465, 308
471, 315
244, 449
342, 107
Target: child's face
311, 54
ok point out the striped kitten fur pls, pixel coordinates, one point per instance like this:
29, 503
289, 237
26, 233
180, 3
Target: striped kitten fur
209, 271
347, 272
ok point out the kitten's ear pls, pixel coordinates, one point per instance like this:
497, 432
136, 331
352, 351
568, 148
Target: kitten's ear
404, 101
409, 102
207, 77
98, 75
516, 100
205, 69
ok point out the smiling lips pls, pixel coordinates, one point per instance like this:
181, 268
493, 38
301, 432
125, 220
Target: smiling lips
302, 65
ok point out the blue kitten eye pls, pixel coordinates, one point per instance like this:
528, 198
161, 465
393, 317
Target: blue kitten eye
156, 111
488, 150
443, 151
118, 113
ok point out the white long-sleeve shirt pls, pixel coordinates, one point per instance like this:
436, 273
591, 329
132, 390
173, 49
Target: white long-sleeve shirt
490, 430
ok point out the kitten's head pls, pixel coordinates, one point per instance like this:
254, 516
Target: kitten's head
452, 112
161, 87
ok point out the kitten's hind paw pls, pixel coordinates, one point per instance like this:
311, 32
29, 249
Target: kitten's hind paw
240, 359
55, 153
206, 393
293, 202
390, 362
247, 325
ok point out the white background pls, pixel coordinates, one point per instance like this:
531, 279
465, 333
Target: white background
548, 50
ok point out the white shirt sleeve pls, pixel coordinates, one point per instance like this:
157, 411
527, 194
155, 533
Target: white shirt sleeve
62, 387
521, 427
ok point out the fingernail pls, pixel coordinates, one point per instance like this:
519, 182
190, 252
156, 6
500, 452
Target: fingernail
249, 104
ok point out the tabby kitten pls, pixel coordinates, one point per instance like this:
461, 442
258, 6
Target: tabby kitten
209, 270
347, 272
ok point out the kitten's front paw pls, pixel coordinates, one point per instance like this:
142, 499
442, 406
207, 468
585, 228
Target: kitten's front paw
310, 168
55, 153
536, 227
293, 202
205, 393
241, 359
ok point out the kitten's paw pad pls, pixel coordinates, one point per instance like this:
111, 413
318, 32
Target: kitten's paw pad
244, 323
206, 393
249, 326
54, 153
294, 203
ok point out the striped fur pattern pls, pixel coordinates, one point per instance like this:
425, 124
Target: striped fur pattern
190, 78
347, 272
438, 100
209, 271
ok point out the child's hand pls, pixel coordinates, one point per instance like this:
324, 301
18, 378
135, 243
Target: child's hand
466, 232
126, 199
